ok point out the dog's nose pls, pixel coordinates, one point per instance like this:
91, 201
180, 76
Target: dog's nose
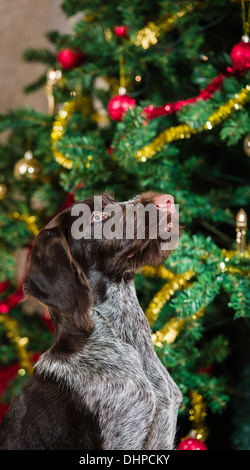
165, 201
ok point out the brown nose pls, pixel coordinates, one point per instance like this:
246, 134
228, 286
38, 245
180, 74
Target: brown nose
165, 201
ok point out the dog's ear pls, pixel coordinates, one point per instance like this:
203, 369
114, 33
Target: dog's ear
57, 280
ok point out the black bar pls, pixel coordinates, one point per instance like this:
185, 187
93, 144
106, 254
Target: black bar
123, 458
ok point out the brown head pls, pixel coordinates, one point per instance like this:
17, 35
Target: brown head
94, 242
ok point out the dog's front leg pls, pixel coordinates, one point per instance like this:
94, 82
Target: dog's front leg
126, 413
162, 431
168, 399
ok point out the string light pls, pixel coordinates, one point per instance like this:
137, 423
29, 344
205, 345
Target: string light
241, 230
53, 76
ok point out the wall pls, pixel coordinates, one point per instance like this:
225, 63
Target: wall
23, 24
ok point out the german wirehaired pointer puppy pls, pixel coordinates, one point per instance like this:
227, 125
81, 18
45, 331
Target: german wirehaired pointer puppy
101, 384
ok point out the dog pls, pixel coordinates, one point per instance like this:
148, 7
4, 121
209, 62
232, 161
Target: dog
100, 386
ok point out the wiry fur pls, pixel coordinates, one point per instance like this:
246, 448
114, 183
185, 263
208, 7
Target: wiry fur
101, 384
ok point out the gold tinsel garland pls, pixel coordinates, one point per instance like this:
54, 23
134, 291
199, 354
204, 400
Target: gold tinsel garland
171, 329
30, 221
157, 271
82, 104
184, 131
197, 417
175, 282
178, 281
227, 256
149, 35
13, 334
169, 332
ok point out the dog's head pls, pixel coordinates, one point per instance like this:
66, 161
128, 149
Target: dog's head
97, 237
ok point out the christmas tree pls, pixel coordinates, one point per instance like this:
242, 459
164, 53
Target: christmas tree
144, 96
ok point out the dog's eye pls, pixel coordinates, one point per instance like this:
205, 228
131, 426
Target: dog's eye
97, 217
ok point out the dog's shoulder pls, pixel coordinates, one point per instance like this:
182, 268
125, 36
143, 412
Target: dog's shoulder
100, 355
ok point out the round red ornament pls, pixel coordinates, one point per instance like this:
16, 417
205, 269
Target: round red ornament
191, 444
121, 31
240, 55
118, 105
70, 58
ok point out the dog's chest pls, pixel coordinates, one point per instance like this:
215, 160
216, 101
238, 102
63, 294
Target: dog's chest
129, 323
126, 317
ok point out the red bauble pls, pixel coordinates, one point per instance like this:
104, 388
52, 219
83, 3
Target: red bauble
209, 370
118, 105
121, 31
70, 58
240, 56
191, 444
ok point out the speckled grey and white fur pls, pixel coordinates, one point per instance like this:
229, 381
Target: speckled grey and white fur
124, 313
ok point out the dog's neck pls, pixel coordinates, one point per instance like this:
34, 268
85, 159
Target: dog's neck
123, 317
120, 298
121, 307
